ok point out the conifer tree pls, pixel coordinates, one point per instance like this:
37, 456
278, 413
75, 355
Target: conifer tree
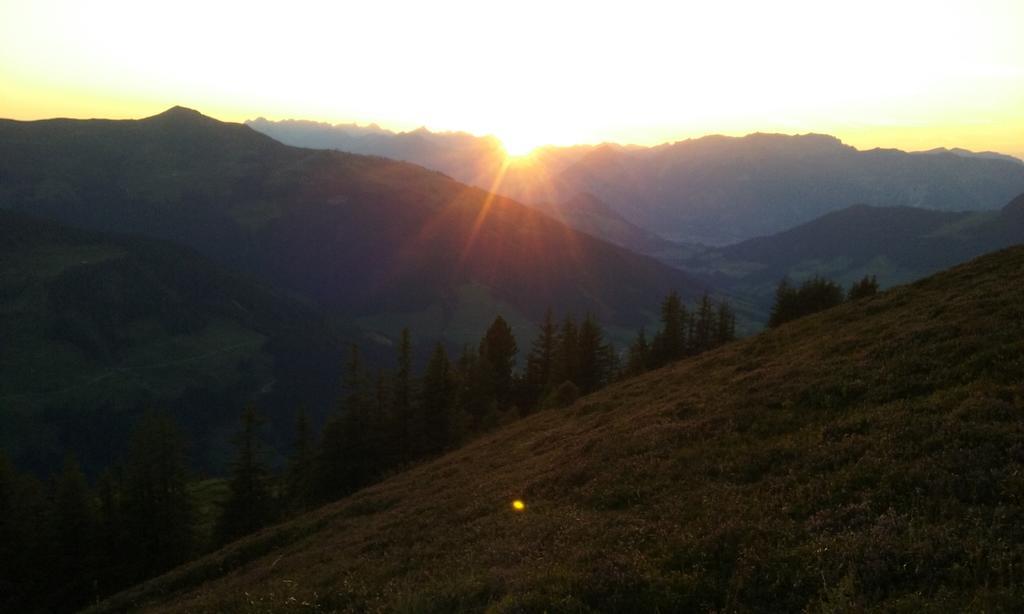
704, 326
300, 464
157, 511
639, 357
867, 286
726, 324
498, 348
437, 396
75, 531
351, 443
110, 553
403, 397
476, 396
540, 364
594, 356
567, 357
670, 343
249, 506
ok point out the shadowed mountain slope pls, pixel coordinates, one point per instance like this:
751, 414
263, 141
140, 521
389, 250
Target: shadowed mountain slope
867, 457
388, 242
99, 329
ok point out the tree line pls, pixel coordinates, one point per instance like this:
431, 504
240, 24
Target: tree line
814, 295
64, 544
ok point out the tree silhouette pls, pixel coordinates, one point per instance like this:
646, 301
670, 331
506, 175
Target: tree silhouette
437, 396
157, 510
498, 349
540, 364
249, 505
867, 286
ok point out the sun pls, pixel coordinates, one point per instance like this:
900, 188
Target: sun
519, 145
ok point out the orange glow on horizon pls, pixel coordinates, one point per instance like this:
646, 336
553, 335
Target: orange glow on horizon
915, 74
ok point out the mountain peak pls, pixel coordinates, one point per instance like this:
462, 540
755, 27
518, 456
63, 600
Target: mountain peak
180, 113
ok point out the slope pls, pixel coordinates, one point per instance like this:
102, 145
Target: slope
865, 457
98, 329
363, 237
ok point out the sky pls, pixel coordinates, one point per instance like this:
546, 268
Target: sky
913, 74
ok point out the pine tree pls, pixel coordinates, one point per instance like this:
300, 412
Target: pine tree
437, 397
75, 532
249, 506
867, 286
540, 364
704, 326
784, 308
567, 356
27, 543
594, 356
300, 465
639, 357
351, 445
157, 511
403, 391
109, 544
671, 342
726, 324
498, 350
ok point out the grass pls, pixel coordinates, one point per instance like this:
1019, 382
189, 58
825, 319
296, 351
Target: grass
866, 458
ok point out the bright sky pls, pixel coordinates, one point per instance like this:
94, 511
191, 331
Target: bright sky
913, 74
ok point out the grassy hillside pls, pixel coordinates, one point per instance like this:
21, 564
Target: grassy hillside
98, 329
867, 457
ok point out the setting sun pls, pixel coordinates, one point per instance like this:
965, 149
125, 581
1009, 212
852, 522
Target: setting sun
518, 146
933, 74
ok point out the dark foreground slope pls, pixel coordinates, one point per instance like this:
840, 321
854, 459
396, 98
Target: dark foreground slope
98, 329
866, 457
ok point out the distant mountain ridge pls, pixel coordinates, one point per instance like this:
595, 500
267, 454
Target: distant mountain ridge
715, 189
897, 244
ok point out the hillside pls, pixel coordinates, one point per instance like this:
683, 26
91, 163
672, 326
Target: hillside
897, 244
98, 329
384, 242
867, 457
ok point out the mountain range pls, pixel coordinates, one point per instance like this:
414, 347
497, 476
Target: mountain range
896, 244
369, 240
714, 190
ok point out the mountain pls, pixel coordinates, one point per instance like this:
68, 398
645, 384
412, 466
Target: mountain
959, 151
99, 329
589, 214
382, 242
897, 244
713, 190
720, 190
866, 458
